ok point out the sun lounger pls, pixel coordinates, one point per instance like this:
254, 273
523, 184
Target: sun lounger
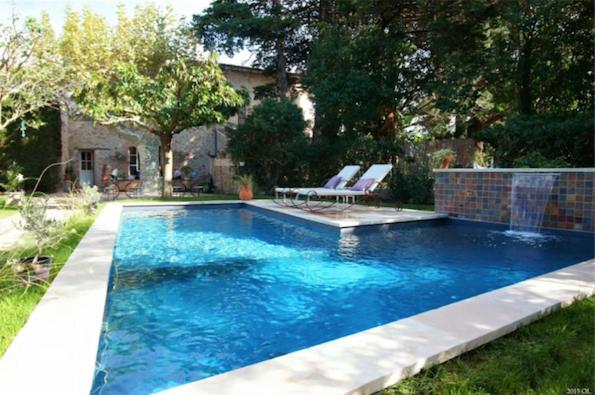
337, 182
313, 198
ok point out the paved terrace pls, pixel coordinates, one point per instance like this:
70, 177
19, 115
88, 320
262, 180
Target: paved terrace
356, 215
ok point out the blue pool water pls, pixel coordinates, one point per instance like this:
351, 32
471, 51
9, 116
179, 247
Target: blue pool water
200, 291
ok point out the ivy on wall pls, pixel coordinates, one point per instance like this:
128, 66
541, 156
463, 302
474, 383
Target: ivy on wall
34, 149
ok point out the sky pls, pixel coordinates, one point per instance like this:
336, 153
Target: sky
107, 8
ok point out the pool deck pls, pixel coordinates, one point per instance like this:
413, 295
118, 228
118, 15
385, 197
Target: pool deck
55, 352
356, 215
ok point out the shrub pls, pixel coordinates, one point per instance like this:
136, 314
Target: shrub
86, 199
414, 186
560, 137
271, 143
536, 159
14, 178
34, 148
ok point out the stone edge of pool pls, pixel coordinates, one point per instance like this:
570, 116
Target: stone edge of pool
55, 352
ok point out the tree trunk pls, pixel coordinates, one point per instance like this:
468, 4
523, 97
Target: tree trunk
281, 69
317, 125
327, 11
167, 165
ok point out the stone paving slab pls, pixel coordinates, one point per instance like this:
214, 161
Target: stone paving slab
357, 215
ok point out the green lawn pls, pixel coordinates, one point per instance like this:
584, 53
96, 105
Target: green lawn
16, 305
8, 212
552, 356
424, 207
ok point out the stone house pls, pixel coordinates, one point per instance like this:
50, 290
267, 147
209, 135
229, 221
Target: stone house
94, 148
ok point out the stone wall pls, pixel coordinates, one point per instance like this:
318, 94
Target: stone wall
110, 148
223, 176
485, 195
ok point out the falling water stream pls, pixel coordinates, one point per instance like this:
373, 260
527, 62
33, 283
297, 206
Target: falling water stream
529, 197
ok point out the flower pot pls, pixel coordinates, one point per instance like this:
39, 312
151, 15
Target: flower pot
37, 272
447, 161
246, 193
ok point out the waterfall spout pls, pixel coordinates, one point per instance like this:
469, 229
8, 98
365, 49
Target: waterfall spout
529, 197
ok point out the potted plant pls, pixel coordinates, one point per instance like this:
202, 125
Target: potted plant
444, 158
13, 185
245, 185
44, 231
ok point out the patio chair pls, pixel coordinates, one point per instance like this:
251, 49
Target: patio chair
344, 198
183, 187
336, 182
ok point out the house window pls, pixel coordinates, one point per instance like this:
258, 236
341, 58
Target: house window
133, 162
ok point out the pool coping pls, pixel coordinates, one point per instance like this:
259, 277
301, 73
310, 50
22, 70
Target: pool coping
59, 341
518, 170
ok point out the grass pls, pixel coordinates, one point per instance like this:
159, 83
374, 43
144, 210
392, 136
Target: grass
7, 212
16, 305
551, 356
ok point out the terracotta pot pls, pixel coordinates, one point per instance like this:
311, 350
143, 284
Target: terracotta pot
39, 271
447, 161
246, 193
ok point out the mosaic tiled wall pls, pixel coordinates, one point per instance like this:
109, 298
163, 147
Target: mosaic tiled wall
486, 195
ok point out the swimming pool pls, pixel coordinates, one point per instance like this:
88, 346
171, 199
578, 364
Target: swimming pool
199, 291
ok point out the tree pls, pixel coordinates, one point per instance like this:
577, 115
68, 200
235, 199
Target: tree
271, 143
366, 73
30, 70
184, 93
522, 56
155, 81
278, 31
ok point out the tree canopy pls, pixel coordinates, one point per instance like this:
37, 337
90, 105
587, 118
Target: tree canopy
271, 143
152, 77
279, 32
31, 75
